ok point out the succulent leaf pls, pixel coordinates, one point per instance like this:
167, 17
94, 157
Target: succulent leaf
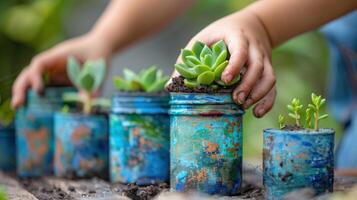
191, 83
158, 85
219, 70
129, 75
73, 69
149, 77
185, 71
208, 60
194, 60
220, 59
205, 51
219, 47
206, 78
185, 54
197, 48
86, 82
199, 69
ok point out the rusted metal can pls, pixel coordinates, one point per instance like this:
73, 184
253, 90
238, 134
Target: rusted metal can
206, 143
34, 132
298, 159
139, 138
81, 145
7, 149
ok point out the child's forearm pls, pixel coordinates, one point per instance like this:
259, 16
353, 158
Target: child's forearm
284, 19
126, 21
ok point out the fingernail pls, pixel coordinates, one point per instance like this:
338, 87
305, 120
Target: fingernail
241, 98
228, 78
260, 112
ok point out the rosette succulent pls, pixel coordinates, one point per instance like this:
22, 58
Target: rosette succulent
87, 79
147, 80
203, 65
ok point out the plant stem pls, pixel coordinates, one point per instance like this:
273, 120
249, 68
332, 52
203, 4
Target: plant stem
297, 119
316, 120
87, 102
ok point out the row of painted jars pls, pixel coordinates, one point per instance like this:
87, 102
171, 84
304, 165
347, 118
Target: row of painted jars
206, 144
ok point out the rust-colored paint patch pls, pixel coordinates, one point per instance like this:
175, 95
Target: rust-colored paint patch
211, 147
38, 146
79, 133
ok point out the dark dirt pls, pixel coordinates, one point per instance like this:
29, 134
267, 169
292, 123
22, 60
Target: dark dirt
292, 128
44, 191
177, 85
136, 192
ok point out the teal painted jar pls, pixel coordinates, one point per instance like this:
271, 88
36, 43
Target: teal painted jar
206, 143
7, 149
81, 149
34, 132
298, 159
139, 138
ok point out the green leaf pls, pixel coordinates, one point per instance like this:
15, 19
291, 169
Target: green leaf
159, 85
101, 102
184, 54
194, 60
71, 97
208, 60
149, 76
220, 59
219, 47
97, 70
129, 75
197, 48
219, 70
199, 69
185, 71
121, 84
292, 115
205, 51
323, 116
86, 82
206, 78
73, 70
190, 83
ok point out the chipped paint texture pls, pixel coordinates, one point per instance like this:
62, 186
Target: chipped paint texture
34, 132
206, 143
81, 145
7, 149
297, 159
139, 138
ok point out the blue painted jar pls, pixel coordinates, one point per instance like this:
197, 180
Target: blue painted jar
81, 145
206, 143
139, 138
34, 132
297, 159
7, 149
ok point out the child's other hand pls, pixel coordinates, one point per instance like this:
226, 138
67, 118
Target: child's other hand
53, 61
249, 46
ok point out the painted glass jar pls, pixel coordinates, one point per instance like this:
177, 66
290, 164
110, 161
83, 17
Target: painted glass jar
81, 149
206, 143
298, 159
7, 149
139, 138
34, 132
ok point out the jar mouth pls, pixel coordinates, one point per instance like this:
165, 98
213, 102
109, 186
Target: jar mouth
321, 131
201, 98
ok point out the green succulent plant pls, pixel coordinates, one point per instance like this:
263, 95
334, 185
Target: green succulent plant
7, 114
295, 110
87, 79
203, 65
312, 112
147, 80
3, 195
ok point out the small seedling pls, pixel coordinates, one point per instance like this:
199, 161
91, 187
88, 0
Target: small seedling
316, 103
6, 113
87, 79
281, 121
312, 112
148, 80
295, 110
204, 65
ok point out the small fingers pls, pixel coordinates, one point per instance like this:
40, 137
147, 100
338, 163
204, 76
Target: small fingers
19, 89
266, 104
262, 88
238, 47
252, 75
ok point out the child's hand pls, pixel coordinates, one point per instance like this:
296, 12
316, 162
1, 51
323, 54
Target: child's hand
53, 61
249, 46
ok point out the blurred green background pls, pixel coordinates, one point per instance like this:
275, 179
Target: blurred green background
28, 27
